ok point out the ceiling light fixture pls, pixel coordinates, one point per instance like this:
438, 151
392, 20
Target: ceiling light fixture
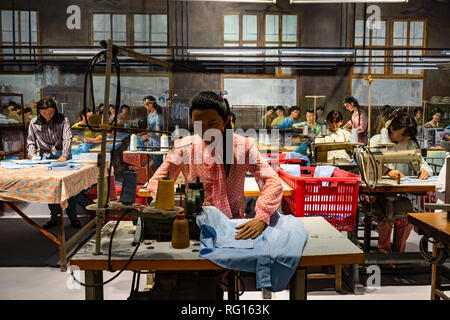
336, 52
225, 51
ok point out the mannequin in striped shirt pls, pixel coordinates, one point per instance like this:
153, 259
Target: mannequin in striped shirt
50, 133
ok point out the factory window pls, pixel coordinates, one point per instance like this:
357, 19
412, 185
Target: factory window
407, 34
373, 38
240, 30
395, 33
110, 26
150, 30
22, 35
280, 31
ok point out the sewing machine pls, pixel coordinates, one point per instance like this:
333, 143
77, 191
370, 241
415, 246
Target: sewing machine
157, 224
373, 162
321, 149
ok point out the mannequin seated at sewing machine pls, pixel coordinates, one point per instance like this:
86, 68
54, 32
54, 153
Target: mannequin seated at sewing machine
396, 154
335, 144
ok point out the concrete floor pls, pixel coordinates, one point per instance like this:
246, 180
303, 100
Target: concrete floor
52, 284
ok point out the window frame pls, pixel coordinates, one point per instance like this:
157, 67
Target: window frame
19, 31
149, 42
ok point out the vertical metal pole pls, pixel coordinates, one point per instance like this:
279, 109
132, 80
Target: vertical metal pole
100, 216
370, 117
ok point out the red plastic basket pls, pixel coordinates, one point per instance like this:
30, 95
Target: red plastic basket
336, 202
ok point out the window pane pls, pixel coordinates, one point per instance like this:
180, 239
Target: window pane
8, 51
399, 61
7, 26
376, 68
416, 33
249, 28
231, 28
365, 68
119, 25
24, 34
141, 27
158, 50
272, 29
400, 33
359, 29
379, 35
289, 28
102, 23
414, 61
159, 27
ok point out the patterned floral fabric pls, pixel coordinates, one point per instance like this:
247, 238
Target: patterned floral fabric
224, 193
37, 184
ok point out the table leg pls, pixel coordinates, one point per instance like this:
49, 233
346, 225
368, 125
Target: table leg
232, 296
93, 277
62, 240
338, 277
435, 276
367, 232
297, 290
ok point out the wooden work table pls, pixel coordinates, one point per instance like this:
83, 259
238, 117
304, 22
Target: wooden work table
435, 225
325, 246
388, 185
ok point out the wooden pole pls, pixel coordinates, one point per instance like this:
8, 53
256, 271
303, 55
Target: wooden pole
370, 114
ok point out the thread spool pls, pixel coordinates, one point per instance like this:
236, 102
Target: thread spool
164, 143
165, 195
128, 194
354, 136
305, 130
112, 187
323, 130
385, 136
180, 232
133, 142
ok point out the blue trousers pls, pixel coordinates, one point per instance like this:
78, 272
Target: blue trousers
72, 202
157, 159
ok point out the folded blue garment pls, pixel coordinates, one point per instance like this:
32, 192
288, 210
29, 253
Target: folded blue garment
292, 169
412, 180
66, 167
324, 172
273, 256
295, 155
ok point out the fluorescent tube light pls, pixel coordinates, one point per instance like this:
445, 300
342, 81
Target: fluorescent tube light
425, 59
254, 1
225, 51
336, 52
346, 1
229, 58
74, 51
306, 59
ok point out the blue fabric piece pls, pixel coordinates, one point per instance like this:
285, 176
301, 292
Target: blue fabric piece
67, 167
303, 148
296, 155
292, 169
273, 256
412, 180
82, 148
324, 172
287, 123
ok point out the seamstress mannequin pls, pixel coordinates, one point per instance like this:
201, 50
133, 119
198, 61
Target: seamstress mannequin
155, 122
287, 122
359, 119
268, 117
309, 123
50, 132
89, 135
279, 110
336, 134
223, 182
402, 130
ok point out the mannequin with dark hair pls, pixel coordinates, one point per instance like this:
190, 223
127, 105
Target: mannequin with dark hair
225, 159
359, 119
51, 133
268, 117
402, 131
155, 122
